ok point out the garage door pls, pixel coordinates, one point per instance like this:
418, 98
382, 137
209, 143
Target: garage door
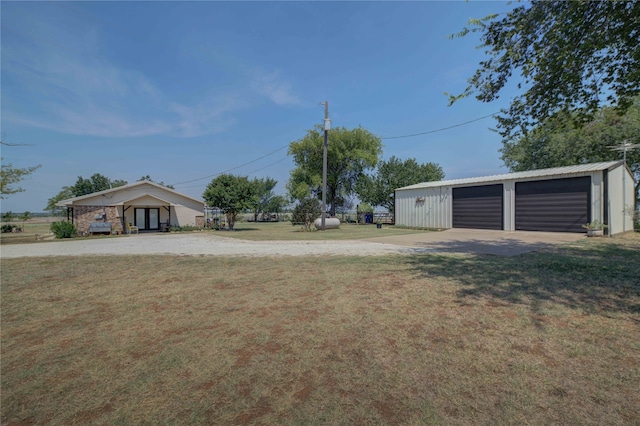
557, 205
478, 207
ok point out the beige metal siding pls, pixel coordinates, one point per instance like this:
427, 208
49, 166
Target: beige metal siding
620, 206
424, 207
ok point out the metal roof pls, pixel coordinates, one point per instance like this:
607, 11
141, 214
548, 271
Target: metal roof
529, 174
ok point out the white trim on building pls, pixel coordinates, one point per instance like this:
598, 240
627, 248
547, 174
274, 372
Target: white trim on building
611, 195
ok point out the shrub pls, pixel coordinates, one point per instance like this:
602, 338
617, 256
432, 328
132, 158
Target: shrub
63, 229
306, 212
7, 228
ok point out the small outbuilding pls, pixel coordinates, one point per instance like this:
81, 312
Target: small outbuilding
560, 199
146, 205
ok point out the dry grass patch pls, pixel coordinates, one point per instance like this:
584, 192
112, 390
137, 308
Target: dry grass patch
533, 339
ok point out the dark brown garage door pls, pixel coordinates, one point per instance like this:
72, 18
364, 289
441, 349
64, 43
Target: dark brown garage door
557, 205
478, 207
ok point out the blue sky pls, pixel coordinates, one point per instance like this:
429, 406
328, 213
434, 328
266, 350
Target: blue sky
185, 90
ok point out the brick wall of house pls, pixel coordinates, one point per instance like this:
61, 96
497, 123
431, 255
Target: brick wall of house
83, 216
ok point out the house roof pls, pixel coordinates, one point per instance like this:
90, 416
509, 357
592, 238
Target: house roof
529, 174
129, 200
71, 201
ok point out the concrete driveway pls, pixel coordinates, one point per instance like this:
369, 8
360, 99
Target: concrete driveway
480, 241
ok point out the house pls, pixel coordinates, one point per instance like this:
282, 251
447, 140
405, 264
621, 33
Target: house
559, 199
147, 205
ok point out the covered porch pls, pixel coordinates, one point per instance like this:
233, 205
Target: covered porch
148, 213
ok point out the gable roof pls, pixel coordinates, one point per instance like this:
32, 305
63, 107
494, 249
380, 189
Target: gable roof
555, 171
70, 201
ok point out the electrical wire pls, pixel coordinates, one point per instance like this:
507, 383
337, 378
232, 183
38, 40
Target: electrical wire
237, 167
250, 173
441, 129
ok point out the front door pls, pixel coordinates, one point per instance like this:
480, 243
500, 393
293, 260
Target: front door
147, 219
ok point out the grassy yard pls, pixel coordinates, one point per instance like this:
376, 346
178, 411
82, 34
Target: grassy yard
268, 231
40, 226
542, 338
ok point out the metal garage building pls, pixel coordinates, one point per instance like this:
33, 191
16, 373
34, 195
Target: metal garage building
561, 199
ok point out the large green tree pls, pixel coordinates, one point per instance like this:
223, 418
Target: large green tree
350, 153
378, 189
570, 56
231, 194
558, 142
97, 182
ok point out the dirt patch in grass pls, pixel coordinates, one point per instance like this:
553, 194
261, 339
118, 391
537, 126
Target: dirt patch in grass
538, 339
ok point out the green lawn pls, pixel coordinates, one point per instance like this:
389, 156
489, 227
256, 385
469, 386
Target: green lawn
541, 338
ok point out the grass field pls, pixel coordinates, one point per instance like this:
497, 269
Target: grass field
284, 231
542, 338
38, 225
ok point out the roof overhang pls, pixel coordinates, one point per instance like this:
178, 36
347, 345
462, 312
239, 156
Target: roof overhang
132, 201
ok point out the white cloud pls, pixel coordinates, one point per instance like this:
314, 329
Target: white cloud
68, 86
84, 94
270, 85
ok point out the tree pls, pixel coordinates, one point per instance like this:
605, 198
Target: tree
557, 142
571, 56
350, 153
10, 175
148, 178
231, 194
95, 183
378, 189
306, 212
264, 193
65, 193
25, 217
276, 204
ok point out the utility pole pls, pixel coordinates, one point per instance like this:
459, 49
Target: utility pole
327, 126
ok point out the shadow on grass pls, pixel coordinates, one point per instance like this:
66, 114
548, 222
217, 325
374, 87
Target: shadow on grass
239, 229
602, 279
502, 247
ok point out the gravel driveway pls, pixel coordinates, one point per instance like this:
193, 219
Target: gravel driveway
199, 244
450, 241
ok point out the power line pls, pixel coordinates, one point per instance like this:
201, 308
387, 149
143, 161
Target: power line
236, 167
441, 129
250, 173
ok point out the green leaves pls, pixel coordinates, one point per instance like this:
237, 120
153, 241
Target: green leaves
378, 189
10, 175
350, 153
96, 183
64, 229
231, 194
560, 141
566, 56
